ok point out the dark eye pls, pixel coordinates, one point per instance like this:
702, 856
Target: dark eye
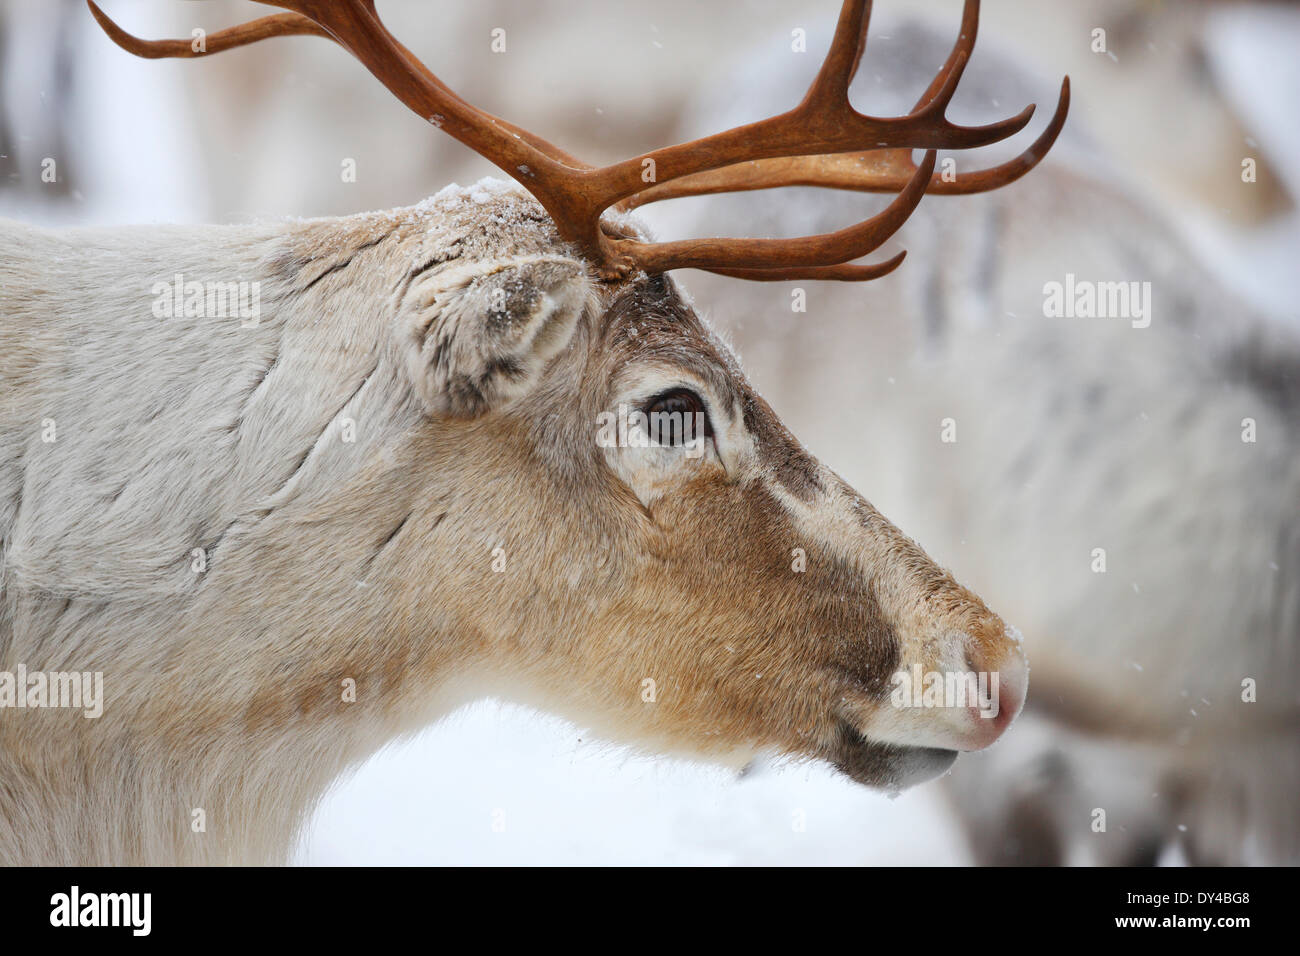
677, 416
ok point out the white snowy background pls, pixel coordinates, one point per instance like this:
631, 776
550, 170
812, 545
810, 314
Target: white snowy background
261, 133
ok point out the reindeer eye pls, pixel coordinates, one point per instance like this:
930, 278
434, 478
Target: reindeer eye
677, 415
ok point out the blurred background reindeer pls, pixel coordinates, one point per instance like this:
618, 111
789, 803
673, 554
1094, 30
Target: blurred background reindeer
1128, 484
1072, 434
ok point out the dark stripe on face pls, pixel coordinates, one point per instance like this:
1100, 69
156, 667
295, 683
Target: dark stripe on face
859, 640
778, 451
870, 655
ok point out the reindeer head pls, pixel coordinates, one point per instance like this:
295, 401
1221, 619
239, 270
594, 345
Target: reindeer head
594, 512
673, 566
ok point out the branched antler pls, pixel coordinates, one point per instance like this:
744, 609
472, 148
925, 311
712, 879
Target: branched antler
823, 142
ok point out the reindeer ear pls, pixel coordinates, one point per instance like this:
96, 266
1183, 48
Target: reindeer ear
476, 337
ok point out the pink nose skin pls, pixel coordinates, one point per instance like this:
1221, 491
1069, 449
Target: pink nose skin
986, 725
991, 696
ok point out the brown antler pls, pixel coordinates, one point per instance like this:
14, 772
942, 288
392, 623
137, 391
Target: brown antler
876, 170
823, 141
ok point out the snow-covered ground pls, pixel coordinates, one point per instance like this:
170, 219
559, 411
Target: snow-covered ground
499, 784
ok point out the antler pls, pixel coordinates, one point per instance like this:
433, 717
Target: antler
823, 141
876, 170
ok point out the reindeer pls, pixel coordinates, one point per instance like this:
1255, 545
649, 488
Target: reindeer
288, 537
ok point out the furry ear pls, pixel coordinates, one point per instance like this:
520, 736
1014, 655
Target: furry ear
477, 336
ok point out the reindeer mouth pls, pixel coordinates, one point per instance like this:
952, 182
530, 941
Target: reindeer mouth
884, 766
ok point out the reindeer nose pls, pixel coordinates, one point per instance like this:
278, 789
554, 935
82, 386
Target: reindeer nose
1008, 683
965, 710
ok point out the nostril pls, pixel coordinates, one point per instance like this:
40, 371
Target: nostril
1013, 685
1008, 685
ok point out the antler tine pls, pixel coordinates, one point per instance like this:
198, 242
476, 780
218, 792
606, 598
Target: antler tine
276, 25
831, 85
842, 273
827, 249
950, 74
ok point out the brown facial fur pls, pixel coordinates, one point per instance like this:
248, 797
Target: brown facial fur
696, 591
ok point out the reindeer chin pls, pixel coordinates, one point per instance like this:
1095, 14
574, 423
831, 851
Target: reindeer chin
891, 767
